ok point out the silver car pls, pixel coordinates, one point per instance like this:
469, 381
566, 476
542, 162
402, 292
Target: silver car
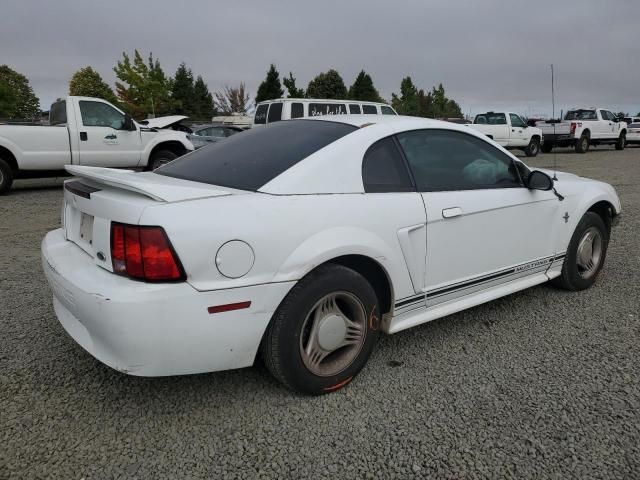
202, 135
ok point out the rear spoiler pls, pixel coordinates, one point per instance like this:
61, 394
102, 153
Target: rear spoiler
157, 187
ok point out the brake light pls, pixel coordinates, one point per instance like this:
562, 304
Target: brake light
144, 253
573, 128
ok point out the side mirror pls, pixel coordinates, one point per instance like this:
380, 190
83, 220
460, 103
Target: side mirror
128, 123
538, 180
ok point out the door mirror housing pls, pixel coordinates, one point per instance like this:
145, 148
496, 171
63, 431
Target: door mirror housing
128, 123
538, 180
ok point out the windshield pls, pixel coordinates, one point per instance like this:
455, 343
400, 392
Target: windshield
581, 115
251, 159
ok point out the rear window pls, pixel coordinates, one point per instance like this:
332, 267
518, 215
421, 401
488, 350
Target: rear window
581, 115
317, 109
261, 114
250, 160
491, 118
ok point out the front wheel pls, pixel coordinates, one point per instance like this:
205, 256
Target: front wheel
621, 142
161, 157
323, 332
585, 255
533, 148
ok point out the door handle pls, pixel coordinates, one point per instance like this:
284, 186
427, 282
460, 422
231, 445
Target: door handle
83, 136
111, 136
451, 212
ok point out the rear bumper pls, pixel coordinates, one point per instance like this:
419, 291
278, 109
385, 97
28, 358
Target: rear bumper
153, 329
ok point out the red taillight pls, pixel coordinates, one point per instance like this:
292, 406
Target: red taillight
573, 128
144, 253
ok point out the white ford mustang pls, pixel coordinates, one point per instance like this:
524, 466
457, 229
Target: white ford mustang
304, 239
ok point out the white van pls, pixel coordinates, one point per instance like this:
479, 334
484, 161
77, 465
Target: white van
287, 108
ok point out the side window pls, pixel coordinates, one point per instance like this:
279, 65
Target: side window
297, 110
354, 109
516, 121
384, 170
275, 112
261, 114
444, 160
606, 115
98, 114
387, 110
369, 109
317, 109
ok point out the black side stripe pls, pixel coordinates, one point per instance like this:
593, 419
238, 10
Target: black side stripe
410, 300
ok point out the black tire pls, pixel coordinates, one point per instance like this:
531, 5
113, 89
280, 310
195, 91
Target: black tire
546, 147
582, 145
571, 277
6, 177
533, 148
160, 158
282, 344
621, 142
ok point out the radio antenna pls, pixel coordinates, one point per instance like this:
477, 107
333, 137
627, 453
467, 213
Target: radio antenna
553, 116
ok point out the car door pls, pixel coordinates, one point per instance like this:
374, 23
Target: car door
102, 141
518, 131
484, 227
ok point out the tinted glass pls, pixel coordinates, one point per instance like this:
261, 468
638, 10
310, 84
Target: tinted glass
384, 170
261, 114
516, 121
275, 113
368, 109
491, 118
250, 160
205, 132
58, 113
297, 110
387, 110
581, 115
317, 109
354, 109
98, 114
448, 160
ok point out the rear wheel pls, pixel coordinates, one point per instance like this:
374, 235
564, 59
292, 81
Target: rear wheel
621, 142
161, 157
533, 148
582, 145
6, 176
323, 332
585, 255
546, 147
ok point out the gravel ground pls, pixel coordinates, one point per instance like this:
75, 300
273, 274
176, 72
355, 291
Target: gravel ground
542, 384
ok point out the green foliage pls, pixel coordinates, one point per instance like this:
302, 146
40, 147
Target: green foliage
407, 102
203, 101
293, 91
183, 91
270, 88
17, 99
327, 85
143, 89
621, 114
232, 100
363, 89
443, 107
86, 82
433, 104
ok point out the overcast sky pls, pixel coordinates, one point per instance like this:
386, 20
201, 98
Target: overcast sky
488, 54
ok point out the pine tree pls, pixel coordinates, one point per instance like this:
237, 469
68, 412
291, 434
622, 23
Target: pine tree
293, 91
17, 99
183, 91
327, 85
407, 102
363, 89
270, 88
203, 101
86, 82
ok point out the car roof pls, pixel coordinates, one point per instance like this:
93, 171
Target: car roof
322, 100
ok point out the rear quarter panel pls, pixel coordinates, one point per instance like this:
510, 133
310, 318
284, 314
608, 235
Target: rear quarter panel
37, 147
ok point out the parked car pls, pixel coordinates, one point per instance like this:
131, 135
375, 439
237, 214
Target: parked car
510, 131
84, 131
583, 127
202, 135
633, 130
304, 240
288, 108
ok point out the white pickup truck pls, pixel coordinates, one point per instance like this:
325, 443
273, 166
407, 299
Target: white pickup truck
84, 131
583, 127
510, 131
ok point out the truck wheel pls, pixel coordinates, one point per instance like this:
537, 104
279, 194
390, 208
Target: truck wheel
533, 148
161, 157
6, 177
621, 142
582, 145
546, 147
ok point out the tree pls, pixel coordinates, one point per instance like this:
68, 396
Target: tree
293, 91
622, 114
407, 102
232, 100
17, 99
203, 108
363, 89
327, 85
444, 107
182, 91
86, 82
270, 88
144, 89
